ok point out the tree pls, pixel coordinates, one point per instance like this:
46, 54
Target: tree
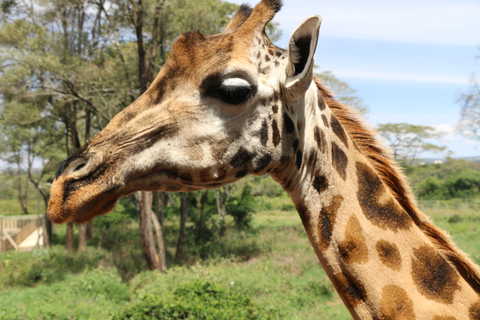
343, 92
81, 62
222, 195
241, 208
407, 141
469, 124
185, 198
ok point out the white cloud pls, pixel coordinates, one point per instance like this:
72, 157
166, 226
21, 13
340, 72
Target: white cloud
448, 130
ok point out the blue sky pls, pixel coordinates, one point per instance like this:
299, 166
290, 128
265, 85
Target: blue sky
409, 59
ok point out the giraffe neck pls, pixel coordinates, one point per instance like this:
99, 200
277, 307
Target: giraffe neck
380, 262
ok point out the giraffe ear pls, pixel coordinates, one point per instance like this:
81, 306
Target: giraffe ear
301, 50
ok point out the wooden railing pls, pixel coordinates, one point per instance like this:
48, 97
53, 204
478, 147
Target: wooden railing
13, 230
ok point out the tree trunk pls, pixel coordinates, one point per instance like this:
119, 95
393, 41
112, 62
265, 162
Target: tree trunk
221, 196
47, 232
82, 238
160, 201
90, 231
160, 243
148, 243
69, 240
185, 200
22, 192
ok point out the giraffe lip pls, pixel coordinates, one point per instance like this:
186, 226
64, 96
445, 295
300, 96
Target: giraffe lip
58, 219
72, 211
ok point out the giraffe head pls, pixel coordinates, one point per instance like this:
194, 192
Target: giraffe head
217, 111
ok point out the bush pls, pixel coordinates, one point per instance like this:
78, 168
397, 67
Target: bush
241, 208
288, 207
47, 266
94, 294
195, 300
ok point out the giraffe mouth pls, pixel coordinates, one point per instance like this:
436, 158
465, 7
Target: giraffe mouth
68, 204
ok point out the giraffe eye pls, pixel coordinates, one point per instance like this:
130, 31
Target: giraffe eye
80, 166
234, 91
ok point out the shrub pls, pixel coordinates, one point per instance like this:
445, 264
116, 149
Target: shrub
47, 266
288, 207
241, 208
195, 300
455, 219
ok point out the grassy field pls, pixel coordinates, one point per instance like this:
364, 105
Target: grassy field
278, 271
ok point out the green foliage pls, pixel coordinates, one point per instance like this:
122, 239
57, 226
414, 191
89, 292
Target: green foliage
95, 294
453, 179
241, 208
44, 266
204, 233
118, 233
455, 219
407, 141
288, 207
343, 92
195, 300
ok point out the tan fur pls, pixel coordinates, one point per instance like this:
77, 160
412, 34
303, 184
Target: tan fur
392, 176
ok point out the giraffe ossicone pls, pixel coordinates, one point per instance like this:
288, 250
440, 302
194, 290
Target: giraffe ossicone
229, 105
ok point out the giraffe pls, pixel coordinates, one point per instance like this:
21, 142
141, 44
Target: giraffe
229, 105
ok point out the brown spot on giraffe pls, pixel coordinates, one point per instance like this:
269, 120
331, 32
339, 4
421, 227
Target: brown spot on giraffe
388, 215
320, 139
338, 130
289, 126
295, 145
241, 158
320, 183
389, 254
298, 161
434, 277
325, 121
275, 108
195, 153
262, 163
353, 248
352, 289
474, 311
395, 304
321, 103
328, 216
275, 133
218, 148
242, 173
264, 133
312, 158
444, 318
339, 161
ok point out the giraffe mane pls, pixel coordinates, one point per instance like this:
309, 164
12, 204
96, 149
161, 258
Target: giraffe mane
391, 174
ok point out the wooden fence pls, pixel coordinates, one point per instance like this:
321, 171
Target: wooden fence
13, 230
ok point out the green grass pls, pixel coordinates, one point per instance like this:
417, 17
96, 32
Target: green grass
463, 226
272, 265
94, 294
